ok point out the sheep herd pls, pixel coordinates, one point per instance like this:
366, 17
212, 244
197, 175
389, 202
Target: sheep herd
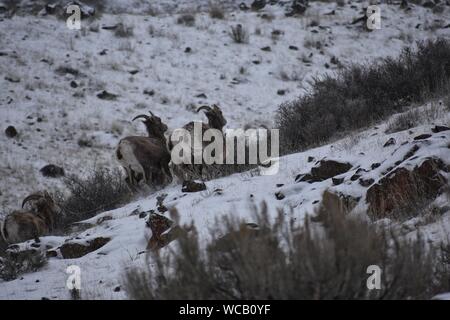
146, 160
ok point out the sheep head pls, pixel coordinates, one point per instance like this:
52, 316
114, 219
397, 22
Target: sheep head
215, 116
155, 127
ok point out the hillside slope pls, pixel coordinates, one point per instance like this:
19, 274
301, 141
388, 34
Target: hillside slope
127, 232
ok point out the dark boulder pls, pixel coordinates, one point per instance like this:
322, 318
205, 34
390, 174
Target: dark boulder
52, 171
11, 132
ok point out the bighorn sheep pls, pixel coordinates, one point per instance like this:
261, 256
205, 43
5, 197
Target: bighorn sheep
217, 121
146, 158
22, 225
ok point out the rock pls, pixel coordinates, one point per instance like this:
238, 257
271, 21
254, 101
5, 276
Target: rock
258, 5
243, 6
63, 70
337, 181
149, 92
201, 96
279, 195
103, 219
110, 27
73, 250
52, 254
158, 223
11, 132
85, 10
438, 129
105, 95
328, 169
187, 50
164, 231
52, 171
142, 215
49, 8
375, 165
429, 4
334, 204
293, 48
366, 182
12, 79
266, 49
193, 186
404, 4
390, 142
281, 92
325, 169
304, 177
117, 289
423, 136
402, 189
311, 159
73, 84
298, 8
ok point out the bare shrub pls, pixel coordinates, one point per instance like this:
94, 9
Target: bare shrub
102, 190
216, 10
404, 121
239, 34
14, 264
360, 95
279, 261
124, 31
187, 19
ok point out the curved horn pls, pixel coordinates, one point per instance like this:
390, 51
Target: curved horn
207, 108
34, 196
151, 113
146, 117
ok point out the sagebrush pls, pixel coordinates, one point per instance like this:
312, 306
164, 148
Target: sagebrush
276, 260
103, 189
360, 95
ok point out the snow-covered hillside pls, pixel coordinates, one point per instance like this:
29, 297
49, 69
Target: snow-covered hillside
103, 269
51, 76
51, 85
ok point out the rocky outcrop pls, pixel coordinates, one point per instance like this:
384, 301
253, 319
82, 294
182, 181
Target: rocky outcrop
402, 189
164, 231
74, 250
325, 169
52, 171
193, 186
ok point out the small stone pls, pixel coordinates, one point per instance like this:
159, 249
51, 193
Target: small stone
422, 136
279, 196
390, 142
11, 132
438, 129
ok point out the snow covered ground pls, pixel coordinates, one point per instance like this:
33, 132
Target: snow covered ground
51, 115
152, 69
103, 270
